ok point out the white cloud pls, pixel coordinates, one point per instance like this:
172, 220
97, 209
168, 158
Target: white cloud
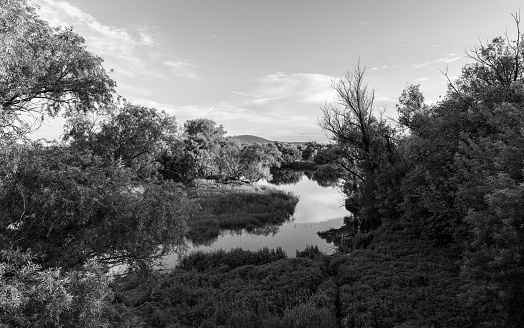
452, 59
421, 79
132, 51
384, 99
182, 69
448, 59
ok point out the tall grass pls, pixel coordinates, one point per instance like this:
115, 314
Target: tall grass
247, 207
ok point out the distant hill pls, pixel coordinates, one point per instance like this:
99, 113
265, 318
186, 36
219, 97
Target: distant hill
249, 139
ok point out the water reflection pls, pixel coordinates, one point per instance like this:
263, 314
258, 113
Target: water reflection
284, 177
320, 208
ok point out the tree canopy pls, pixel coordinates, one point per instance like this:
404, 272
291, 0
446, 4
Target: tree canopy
44, 70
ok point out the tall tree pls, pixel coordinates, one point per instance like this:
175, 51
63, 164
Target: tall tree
364, 142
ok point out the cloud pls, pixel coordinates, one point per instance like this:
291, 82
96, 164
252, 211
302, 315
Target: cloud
421, 79
182, 69
452, 59
383, 99
279, 106
132, 51
448, 59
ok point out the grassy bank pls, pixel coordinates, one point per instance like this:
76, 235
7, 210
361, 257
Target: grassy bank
237, 207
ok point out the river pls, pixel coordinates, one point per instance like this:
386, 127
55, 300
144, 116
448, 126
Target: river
319, 208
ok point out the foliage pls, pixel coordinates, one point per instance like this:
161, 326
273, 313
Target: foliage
70, 207
310, 150
270, 292
44, 70
364, 143
258, 159
453, 177
289, 153
230, 158
31, 297
494, 258
202, 142
285, 176
466, 159
132, 135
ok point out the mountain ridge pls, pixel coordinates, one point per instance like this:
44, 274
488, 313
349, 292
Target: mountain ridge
251, 139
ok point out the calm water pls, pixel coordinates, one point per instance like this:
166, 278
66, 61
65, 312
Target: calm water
318, 209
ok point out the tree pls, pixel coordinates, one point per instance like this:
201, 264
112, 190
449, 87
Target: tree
44, 70
410, 103
132, 135
258, 159
364, 142
229, 157
202, 144
290, 152
311, 149
70, 206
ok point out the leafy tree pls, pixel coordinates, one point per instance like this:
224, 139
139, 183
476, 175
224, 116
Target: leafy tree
310, 150
133, 135
230, 157
258, 159
71, 206
44, 70
457, 144
202, 143
410, 103
290, 152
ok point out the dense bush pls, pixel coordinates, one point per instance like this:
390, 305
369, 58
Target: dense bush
235, 289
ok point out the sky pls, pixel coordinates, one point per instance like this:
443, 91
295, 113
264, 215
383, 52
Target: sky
264, 67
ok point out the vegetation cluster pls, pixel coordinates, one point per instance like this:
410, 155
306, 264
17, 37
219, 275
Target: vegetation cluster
258, 210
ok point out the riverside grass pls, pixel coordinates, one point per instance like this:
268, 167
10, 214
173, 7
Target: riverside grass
237, 207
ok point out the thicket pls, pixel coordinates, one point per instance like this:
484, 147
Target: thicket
450, 173
399, 281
